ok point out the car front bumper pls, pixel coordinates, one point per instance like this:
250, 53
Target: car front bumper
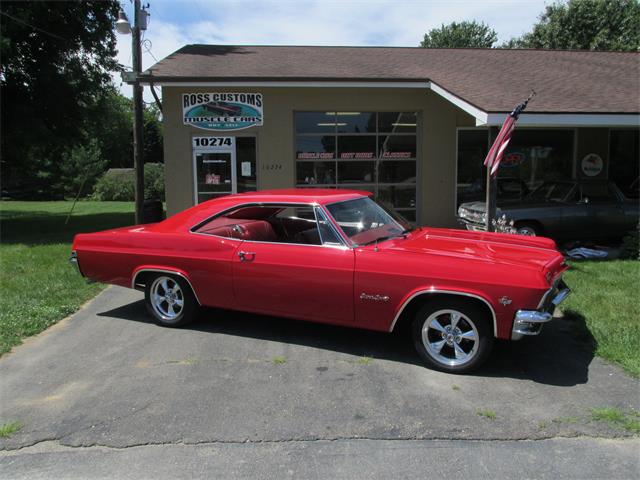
530, 322
471, 225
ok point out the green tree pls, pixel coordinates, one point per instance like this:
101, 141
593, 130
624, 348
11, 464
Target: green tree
460, 35
152, 134
81, 167
56, 59
585, 25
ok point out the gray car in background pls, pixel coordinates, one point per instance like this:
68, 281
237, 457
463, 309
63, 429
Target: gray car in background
564, 210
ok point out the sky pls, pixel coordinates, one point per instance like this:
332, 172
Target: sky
174, 23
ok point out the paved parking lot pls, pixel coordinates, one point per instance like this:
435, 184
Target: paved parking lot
108, 382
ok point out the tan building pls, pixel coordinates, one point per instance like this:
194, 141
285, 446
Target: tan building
410, 125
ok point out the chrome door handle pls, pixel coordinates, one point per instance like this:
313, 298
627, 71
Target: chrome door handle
246, 256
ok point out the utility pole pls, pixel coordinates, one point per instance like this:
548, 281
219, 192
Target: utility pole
133, 78
138, 142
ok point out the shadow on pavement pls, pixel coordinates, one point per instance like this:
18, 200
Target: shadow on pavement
559, 356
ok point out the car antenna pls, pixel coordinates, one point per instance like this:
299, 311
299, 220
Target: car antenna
375, 247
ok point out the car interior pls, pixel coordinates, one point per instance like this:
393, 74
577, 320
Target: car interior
278, 224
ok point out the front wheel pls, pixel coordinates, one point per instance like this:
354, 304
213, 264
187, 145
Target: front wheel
528, 229
452, 335
170, 301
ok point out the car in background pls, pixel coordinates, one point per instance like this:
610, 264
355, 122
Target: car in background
509, 188
563, 210
336, 257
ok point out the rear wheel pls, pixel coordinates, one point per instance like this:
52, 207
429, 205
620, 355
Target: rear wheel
170, 301
452, 335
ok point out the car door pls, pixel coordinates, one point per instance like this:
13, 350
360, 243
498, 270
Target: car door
605, 209
305, 272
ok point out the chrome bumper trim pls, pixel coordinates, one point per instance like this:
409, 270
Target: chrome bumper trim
73, 260
530, 322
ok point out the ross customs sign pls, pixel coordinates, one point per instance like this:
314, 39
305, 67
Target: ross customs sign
222, 111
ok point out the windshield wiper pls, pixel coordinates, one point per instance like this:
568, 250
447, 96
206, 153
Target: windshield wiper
403, 233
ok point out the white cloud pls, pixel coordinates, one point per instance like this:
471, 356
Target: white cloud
347, 22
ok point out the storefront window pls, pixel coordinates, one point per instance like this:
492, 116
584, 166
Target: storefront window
532, 157
246, 164
356, 122
373, 151
624, 155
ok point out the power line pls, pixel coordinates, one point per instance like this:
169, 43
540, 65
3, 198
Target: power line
33, 26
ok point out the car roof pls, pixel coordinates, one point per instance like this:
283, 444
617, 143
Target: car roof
303, 195
198, 213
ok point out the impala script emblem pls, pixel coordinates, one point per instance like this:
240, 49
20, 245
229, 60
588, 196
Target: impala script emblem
375, 298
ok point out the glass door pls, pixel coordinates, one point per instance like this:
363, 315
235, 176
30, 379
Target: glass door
214, 167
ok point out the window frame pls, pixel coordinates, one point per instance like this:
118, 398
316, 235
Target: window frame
377, 159
312, 206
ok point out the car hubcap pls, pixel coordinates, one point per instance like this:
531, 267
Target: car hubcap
167, 298
450, 337
529, 232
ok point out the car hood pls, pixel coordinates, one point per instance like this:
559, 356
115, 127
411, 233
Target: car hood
536, 253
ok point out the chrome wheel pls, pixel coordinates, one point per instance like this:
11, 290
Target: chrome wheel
167, 298
450, 337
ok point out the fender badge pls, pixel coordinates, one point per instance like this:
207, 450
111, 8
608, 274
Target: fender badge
375, 298
505, 301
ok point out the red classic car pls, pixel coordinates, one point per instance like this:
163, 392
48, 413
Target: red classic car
336, 256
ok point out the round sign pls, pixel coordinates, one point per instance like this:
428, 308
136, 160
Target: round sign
512, 159
592, 165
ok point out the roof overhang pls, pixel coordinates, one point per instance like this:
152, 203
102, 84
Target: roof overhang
482, 117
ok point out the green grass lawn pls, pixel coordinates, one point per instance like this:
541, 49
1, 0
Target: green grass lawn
605, 294
38, 286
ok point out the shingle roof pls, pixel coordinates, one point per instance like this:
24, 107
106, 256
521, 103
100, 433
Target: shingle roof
493, 80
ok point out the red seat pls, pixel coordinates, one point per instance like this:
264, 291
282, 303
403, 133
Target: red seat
257, 230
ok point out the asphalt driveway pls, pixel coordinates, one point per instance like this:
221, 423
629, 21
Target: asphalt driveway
244, 391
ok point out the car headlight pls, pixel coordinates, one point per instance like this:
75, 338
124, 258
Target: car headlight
476, 217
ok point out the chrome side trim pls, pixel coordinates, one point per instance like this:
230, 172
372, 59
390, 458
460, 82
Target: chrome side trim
161, 270
450, 292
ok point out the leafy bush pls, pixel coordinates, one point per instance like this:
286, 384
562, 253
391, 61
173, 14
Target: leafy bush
154, 181
118, 184
631, 244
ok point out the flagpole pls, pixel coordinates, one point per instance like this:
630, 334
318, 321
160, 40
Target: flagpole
491, 199
492, 162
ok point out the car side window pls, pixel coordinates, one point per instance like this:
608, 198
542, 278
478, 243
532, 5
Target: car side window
328, 235
597, 193
296, 225
271, 223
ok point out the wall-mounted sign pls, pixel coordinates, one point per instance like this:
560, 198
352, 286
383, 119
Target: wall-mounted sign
213, 143
592, 165
222, 111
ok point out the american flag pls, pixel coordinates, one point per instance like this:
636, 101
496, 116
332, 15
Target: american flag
496, 152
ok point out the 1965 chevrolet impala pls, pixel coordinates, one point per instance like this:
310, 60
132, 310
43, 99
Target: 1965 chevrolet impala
336, 256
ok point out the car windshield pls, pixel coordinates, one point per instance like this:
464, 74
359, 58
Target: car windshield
551, 191
365, 221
